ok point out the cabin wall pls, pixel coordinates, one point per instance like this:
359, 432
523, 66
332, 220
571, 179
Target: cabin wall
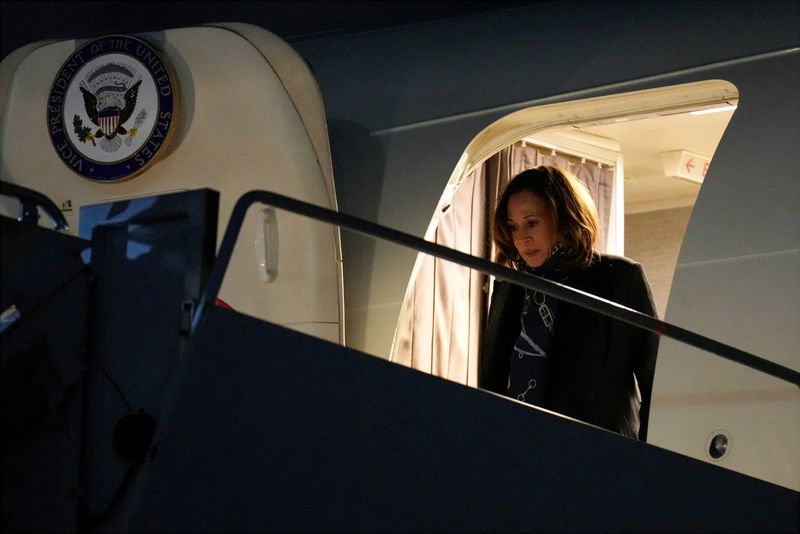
653, 238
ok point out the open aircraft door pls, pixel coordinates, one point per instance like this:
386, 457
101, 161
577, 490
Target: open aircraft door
119, 117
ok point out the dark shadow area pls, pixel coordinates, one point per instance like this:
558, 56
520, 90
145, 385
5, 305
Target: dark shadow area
28, 22
359, 157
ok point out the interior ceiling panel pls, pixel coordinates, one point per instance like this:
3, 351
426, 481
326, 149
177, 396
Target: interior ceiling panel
642, 142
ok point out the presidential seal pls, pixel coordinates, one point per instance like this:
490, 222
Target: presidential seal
111, 108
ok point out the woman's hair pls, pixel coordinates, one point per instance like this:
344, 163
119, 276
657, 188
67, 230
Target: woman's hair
570, 206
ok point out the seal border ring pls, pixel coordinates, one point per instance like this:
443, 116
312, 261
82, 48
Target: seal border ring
113, 172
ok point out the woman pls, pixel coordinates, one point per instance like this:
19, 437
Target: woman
554, 354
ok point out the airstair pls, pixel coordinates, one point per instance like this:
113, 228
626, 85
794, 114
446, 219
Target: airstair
131, 402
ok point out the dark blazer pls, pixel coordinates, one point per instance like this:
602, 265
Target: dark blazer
595, 358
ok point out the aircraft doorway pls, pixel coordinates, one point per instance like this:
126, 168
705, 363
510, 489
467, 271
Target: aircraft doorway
640, 141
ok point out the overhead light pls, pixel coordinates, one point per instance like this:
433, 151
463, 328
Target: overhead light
713, 110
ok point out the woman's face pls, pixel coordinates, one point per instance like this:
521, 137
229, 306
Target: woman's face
532, 227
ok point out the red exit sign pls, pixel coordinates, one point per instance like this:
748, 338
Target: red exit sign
686, 165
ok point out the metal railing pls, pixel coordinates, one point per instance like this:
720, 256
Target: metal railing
30, 202
548, 287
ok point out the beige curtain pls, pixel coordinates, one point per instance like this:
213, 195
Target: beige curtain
444, 310
442, 316
440, 320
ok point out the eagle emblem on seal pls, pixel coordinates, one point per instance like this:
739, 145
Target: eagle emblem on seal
109, 99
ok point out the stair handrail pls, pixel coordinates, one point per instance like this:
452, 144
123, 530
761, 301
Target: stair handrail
30, 201
548, 287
